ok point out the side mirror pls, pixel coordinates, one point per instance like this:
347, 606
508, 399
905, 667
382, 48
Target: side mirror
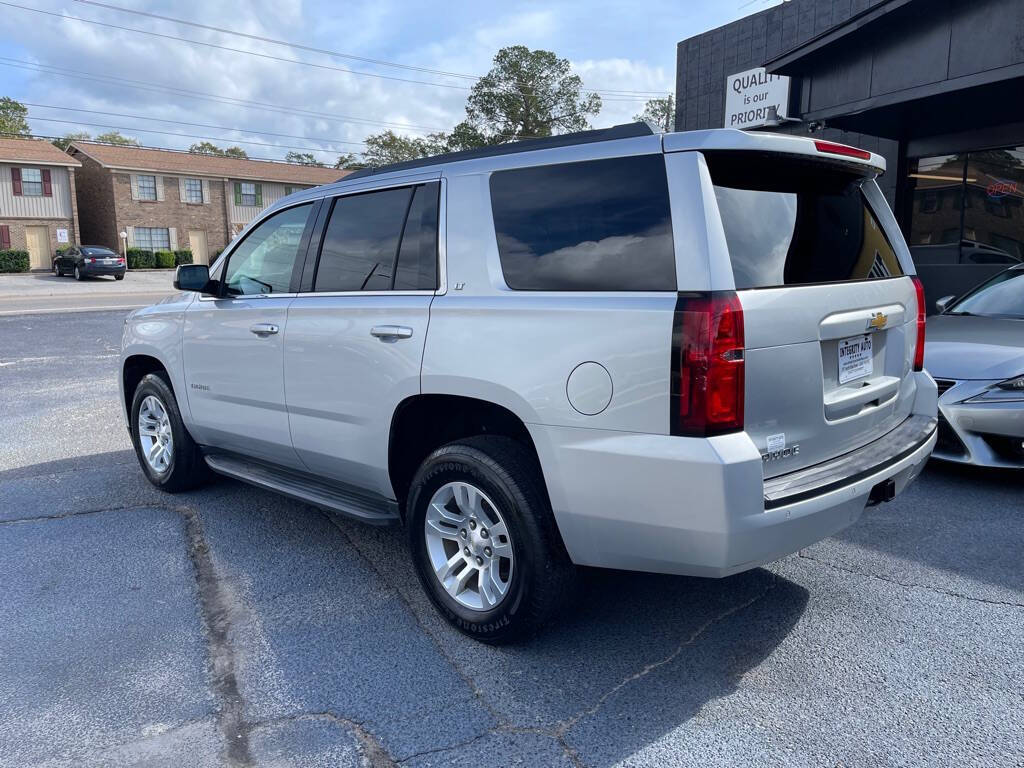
192, 277
941, 304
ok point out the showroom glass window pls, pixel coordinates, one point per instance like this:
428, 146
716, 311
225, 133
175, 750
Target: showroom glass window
968, 208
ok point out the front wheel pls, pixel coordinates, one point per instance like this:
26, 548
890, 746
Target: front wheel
484, 540
167, 454
56, 270
78, 274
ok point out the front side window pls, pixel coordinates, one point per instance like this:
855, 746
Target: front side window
793, 222
264, 262
599, 225
31, 182
153, 238
193, 191
147, 187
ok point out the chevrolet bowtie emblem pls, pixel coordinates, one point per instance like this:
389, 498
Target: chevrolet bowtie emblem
878, 321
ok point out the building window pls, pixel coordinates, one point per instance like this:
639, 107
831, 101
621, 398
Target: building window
968, 207
248, 194
147, 187
31, 182
193, 191
153, 238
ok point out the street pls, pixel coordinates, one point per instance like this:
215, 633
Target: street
230, 626
40, 293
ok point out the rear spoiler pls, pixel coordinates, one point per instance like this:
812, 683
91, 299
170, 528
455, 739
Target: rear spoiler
730, 139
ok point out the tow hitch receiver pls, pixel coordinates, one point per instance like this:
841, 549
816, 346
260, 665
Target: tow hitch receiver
884, 491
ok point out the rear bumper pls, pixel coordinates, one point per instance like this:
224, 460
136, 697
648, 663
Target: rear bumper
697, 506
101, 269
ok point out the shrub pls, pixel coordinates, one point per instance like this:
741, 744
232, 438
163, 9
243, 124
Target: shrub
183, 257
14, 261
140, 258
164, 259
62, 250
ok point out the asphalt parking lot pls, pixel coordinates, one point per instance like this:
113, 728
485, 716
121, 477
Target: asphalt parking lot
229, 626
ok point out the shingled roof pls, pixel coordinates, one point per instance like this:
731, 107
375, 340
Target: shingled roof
182, 163
37, 152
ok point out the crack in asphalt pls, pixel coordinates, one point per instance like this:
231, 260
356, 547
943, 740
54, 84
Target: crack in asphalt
370, 747
908, 584
560, 729
214, 609
65, 515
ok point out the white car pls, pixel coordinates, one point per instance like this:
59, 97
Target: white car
688, 353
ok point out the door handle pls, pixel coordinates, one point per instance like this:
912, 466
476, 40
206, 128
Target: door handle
264, 329
391, 332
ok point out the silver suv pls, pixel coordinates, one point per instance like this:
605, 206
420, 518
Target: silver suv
690, 353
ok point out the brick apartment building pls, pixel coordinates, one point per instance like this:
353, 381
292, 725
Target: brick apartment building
165, 199
38, 208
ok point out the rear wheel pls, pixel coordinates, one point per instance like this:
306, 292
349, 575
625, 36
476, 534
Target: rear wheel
119, 277
78, 273
167, 454
484, 541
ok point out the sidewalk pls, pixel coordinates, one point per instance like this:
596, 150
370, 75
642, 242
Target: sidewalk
36, 293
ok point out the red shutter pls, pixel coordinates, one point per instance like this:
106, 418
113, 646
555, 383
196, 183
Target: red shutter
5, 237
47, 187
16, 180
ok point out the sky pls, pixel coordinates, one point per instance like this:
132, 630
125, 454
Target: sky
126, 77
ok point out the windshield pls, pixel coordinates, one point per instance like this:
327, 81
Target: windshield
1002, 296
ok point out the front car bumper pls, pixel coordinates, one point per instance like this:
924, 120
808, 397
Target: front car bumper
987, 434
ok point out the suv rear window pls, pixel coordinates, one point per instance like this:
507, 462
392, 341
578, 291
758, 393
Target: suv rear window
599, 225
790, 221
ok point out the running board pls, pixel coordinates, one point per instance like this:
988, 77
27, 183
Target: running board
358, 505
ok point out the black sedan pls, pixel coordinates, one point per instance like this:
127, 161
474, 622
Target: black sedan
84, 261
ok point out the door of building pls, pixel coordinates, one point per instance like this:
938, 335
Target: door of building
37, 241
197, 242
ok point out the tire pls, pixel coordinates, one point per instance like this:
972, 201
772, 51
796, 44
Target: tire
78, 274
540, 576
57, 270
119, 277
185, 467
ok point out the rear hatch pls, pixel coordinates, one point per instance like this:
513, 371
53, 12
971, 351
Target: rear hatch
829, 315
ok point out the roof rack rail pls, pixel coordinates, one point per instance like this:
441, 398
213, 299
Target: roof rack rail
624, 131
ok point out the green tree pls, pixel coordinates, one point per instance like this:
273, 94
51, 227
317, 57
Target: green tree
660, 112
115, 137
63, 144
349, 162
12, 117
528, 94
388, 147
206, 148
303, 158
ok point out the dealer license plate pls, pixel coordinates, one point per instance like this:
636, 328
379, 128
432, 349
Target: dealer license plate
854, 358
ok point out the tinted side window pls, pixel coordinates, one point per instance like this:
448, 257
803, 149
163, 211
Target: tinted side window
417, 259
361, 241
600, 225
264, 261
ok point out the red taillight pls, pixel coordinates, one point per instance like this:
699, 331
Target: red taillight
919, 349
832, 148
88, 261
707, 365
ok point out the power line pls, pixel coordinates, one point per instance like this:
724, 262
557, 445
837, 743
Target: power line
192, 125
183, 135
143, 85
255, 53
338, 54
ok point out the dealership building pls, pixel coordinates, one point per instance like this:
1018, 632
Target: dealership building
934, 86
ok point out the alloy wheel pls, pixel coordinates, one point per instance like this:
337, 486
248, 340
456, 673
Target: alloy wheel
468, 545
155, 435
